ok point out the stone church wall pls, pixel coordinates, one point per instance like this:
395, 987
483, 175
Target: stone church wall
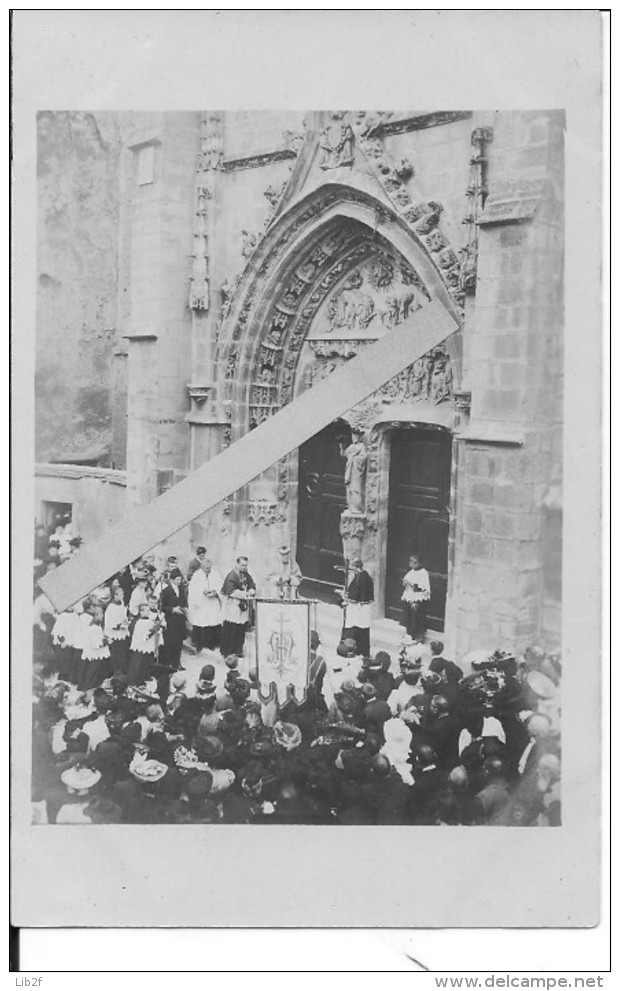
187, 202
77, 268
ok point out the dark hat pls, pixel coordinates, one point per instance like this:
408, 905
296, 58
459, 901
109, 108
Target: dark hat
241, 687
355, 763
131, 733
252, 773
369, 692
263, 746
201, 550
346, 647
207, 673
211, 747
199, 784
103, 810
205, 690
382, 657
176, 573
380, 765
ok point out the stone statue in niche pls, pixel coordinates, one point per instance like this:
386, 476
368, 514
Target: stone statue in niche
355, 472
336, 144
440, 386
420, 377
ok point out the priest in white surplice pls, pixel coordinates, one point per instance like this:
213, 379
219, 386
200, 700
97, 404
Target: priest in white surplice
204, 607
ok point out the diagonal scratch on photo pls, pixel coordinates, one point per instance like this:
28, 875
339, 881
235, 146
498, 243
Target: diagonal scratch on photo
349, 325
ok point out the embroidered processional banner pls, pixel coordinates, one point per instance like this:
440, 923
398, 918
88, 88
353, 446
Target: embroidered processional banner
282, 649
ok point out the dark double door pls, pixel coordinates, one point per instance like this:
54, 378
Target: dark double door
321, 500
418, 510
419, 496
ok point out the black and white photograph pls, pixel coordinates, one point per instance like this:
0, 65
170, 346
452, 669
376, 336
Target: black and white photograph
298, 528
404, 561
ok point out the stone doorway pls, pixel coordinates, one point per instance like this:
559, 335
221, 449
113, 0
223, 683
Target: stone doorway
320, 502
418, 515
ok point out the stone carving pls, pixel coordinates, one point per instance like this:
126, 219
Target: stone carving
440, 384
248, 243
429, 378
262, 395
273, 194
398, 309
476, 193
294, 290
355, 473
231, 361
352, 525
436, 241
424, 216
409, 277
447, 258
228, 288
404, 170
381, 274
462, 402
369, 121
336, 144
372, 480
334, 348
199, 394
349, 308
211, 142
258, 414
283, 477
199, 279
263, 512
293, 140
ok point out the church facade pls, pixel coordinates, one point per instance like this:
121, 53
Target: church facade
235, 259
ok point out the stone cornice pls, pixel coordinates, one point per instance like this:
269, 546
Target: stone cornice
258, 159
417, 122
57, 470
492, 432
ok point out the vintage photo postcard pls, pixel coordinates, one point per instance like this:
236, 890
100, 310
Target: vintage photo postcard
312, 542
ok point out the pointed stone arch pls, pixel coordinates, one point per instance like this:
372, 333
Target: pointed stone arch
315, 243
306, 250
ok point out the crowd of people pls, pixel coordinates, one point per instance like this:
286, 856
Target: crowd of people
124, 733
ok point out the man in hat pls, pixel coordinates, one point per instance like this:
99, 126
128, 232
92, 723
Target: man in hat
238, 592
450, 672
286, 577
441, 730
357, 602
376, 671
374, 713
348, 662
